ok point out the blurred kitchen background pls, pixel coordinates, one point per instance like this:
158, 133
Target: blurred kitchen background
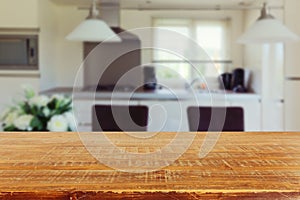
263, 79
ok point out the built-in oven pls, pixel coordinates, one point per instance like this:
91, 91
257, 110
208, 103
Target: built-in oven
18, 52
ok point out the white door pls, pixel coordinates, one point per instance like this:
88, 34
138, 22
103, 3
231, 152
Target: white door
272, 87
292, 105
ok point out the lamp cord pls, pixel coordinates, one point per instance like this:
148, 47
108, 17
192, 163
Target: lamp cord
264, 13
94, 13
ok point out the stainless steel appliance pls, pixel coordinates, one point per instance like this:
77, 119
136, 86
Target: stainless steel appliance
18, 52
114, 64
111, 65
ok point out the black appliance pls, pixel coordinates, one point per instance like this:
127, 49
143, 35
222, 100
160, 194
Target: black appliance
150, 81
226, 81
238, 76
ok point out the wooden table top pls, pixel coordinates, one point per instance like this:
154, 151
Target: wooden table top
241, 165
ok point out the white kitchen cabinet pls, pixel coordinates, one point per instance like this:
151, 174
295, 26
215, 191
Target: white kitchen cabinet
167, 116
83, 114
292, 106
11, 86
252, 113
170, 115
251, 107
274, 120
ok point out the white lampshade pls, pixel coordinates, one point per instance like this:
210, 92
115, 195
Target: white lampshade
267, 29
93, 30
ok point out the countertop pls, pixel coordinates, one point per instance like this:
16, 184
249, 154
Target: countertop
240, 166
159, 94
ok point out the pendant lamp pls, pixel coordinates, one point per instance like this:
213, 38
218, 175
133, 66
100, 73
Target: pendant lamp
267, 29
93, 29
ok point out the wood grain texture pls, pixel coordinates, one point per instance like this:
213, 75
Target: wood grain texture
241, 166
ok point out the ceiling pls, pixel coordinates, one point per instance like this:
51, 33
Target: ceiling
177, 4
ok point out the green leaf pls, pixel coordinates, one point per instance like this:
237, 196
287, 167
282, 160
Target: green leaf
64, 107
29, 93
57, 105
39, 113
10, 128
51, 105
26, 108
36, 124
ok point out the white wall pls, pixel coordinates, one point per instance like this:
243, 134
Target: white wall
292, 61
253, 54
69, 53
18, 13
47, 44
59, 58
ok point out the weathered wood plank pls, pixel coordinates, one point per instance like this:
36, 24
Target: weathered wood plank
58, 166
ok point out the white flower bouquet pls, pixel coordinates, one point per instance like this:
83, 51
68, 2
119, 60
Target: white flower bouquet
39, 113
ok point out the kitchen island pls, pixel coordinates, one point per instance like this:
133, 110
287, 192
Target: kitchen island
158, 94
240, 166
167, 108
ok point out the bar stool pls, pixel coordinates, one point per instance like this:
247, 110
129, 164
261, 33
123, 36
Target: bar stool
216, 118
119, 118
